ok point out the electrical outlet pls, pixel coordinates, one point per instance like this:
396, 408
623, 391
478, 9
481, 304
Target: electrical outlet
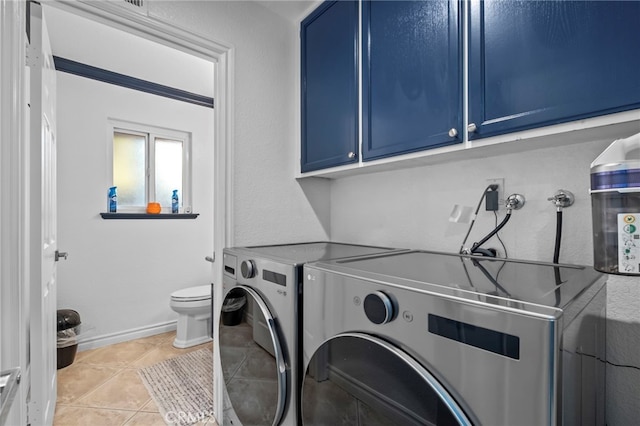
501, 191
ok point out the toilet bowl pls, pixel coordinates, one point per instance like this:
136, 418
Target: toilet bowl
193, 306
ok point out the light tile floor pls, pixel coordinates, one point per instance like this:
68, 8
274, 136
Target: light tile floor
102, 386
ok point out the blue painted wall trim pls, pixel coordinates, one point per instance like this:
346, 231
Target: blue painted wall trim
106, 76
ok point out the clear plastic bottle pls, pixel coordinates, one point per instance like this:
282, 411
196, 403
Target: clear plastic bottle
175, 204
615, 202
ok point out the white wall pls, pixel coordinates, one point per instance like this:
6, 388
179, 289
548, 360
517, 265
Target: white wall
269, 205
120, 273
410, 208
146, 260
99, 45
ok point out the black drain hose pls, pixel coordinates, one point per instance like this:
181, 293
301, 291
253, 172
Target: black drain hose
556, 255
491, 187
476, 246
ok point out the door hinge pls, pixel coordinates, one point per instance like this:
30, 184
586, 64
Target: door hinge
32, 59
31, 405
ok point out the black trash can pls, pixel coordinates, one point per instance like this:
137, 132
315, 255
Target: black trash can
232, 307
67, 338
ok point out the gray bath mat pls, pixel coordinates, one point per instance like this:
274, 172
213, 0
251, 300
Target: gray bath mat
182, 387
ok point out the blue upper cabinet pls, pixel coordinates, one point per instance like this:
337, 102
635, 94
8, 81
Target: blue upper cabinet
411, 76
536, 63
329, 60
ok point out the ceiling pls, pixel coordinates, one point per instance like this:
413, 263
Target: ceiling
292, 10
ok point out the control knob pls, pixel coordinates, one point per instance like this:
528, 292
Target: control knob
248, 269
379, 308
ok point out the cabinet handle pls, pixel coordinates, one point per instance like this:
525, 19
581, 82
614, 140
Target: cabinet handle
471, 128
351, 155
453, 132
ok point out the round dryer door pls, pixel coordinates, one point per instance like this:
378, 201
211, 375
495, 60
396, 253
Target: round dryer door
253, 364
356, 378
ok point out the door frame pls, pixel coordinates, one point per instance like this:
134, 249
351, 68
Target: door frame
222, 55
14, 259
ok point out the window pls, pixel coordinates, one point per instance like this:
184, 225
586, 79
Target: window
149, 163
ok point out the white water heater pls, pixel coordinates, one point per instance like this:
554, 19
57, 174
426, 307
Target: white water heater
615, 204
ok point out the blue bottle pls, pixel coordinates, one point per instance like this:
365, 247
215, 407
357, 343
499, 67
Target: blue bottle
174, 202
112, 200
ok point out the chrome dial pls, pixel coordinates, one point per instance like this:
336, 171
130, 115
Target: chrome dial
248, 269
379, 308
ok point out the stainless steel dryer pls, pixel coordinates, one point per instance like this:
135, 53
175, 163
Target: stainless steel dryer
426, 338
259, 336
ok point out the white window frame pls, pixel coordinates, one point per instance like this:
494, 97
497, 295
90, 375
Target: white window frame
151, 133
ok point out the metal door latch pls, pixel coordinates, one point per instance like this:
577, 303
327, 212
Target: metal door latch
61, 254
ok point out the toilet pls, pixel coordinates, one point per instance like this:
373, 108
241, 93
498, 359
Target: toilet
193, 306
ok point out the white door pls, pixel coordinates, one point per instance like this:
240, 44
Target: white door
42, 210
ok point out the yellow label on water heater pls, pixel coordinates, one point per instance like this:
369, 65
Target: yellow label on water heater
629, 243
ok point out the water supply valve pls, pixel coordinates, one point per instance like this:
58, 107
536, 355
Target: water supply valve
562, 198
514, 202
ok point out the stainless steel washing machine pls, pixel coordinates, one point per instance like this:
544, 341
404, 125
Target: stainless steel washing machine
259, 336
426, 338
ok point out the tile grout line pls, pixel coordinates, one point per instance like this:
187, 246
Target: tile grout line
118, 370
152, 345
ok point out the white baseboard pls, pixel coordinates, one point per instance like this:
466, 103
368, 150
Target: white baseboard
125, 336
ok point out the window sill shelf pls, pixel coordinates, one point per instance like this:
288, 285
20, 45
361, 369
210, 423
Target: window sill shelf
149, 216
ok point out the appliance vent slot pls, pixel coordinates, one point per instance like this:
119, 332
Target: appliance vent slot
137, 3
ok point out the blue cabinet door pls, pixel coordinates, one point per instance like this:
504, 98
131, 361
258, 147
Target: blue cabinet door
536, 63
412, 76
329, 58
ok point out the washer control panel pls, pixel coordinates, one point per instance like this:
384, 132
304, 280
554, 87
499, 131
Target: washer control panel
230, 262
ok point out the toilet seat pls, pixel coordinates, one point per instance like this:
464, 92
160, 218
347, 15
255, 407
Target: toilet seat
192, 294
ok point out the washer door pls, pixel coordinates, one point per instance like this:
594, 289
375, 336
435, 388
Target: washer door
356, 378
253, 364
